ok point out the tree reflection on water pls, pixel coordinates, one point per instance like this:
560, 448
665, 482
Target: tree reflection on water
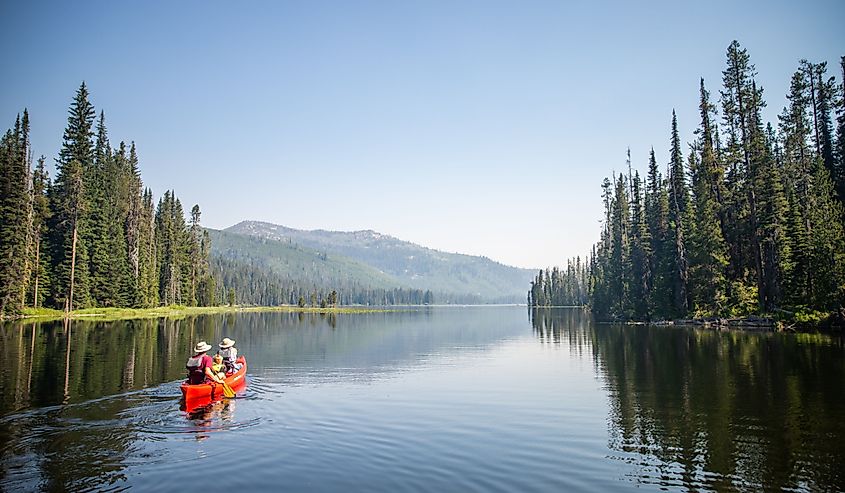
718, 409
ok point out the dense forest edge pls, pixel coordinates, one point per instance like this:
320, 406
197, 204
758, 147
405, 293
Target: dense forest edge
92, 237
171, 312
750, 223
92, 241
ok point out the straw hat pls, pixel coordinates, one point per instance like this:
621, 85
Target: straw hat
226, 343
201, 347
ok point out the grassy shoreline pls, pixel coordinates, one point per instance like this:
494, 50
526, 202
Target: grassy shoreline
172, 311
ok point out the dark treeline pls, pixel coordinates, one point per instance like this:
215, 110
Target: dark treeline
750, 221
556, 287
91, 237
256, 284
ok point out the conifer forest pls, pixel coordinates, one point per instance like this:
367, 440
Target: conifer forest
747, 219
93, 236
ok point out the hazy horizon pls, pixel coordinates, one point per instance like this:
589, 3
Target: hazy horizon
367, 230
476, 128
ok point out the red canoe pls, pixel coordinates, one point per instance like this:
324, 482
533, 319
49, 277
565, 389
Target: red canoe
235, 380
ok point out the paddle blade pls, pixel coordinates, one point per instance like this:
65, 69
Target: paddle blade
227, 391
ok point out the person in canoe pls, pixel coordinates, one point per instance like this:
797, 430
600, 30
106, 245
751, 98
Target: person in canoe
219, 368
230, 355
199, 366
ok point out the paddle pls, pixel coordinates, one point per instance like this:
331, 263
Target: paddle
227, 391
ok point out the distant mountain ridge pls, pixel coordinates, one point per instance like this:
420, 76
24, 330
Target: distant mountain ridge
408, 264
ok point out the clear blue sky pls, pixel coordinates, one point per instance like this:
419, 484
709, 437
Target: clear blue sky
478, 127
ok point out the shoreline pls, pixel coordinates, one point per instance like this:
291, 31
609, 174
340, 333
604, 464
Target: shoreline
751, 323
172, 311
782, 321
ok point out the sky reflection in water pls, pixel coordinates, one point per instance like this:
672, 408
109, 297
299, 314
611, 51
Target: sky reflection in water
454, 399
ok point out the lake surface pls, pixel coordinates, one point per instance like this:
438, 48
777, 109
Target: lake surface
429, 399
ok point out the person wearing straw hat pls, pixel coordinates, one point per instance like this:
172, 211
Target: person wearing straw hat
199, 366
230, 354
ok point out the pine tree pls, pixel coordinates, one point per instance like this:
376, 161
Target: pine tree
97, 234
600, 277
147, 294
827, 261
821, 93
708, 252
641, 276
24, 170
14, 214
678, 208
619, 269
133, 220
168, 246
70, 288
771, 218
798, 168
657, 219
839, 175
121, 289
68, 224
198, 264
741, 101
40, 217
207, 282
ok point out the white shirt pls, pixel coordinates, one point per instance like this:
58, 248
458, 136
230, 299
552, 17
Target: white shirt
230, 353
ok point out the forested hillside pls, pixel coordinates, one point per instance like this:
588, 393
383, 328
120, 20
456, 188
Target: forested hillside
92, 236
404, 263
268, 271
748, 218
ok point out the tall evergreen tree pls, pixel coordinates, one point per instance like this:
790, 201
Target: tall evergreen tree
678, 220
620, 251
741, 100
14, 214
96, 237
133, 219
839, 175
821, 94
641, 276
172, 240
197, 264
798, 168
117, 180
147, 294
40, 216
771, 214
657, 219
68, 224
167, 246
600, 276
207, 283
708, 252
827, 242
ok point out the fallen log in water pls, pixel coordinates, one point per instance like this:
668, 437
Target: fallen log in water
746, 323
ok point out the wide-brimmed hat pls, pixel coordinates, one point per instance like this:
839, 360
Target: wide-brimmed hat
226, 343
201, 347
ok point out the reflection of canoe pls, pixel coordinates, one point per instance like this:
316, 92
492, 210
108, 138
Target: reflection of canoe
211, 390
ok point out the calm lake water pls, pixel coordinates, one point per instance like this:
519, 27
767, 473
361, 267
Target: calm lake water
437, 399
